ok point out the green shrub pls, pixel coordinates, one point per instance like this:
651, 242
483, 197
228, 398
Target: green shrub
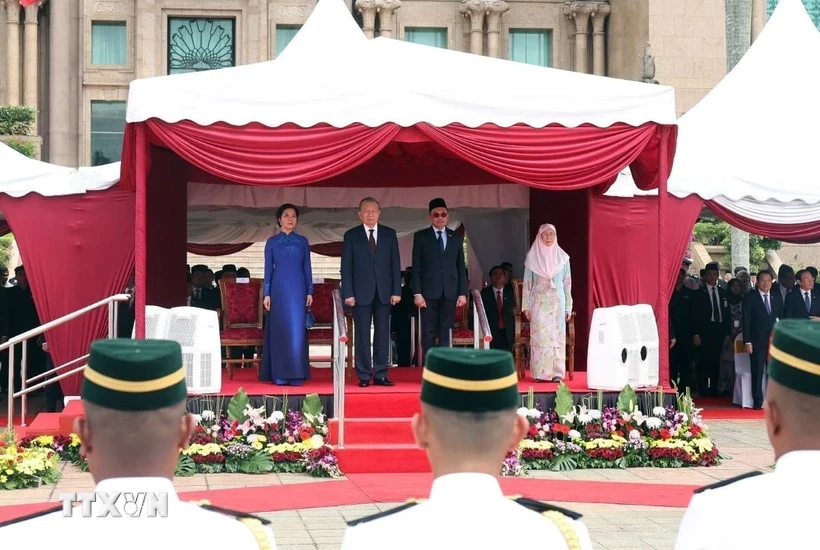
25, 147
16, 121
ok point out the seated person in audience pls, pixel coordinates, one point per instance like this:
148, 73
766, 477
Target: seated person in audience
499, 304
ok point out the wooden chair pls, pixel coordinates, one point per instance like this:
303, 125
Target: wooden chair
521, 344
242, 320
463, 335
321, 334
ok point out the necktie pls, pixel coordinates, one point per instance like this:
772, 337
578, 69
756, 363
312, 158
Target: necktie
440, 242
715, 306
499, 304
768, 305
372, 243
807, 300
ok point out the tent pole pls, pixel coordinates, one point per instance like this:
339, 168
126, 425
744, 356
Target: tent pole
663, 260
141, 245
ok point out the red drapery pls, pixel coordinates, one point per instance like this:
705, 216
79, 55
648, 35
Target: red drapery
800, 233
71, 263
217, 249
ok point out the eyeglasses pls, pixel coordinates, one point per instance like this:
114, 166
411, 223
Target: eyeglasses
440, 215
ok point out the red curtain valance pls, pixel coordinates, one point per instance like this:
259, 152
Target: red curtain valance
216, 249
799, 233
553, 157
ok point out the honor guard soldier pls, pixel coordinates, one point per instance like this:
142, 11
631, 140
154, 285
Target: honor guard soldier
468, 423
775, 510
135, 424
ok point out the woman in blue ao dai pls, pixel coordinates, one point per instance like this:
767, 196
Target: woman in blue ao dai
288, 295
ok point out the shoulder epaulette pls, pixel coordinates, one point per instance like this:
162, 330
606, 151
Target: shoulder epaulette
206, 505
409, 504
31, 516
729, 481
541, 507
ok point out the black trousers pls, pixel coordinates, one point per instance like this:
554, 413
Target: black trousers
53, 392
35, 363
379, 314
680, 363
758, 368
437, 320
711, 346
500, 340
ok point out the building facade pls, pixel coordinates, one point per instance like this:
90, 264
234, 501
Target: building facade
74, 59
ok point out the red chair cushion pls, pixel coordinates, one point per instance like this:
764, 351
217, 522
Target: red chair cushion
247, 333
317, 334
525, 331
322, 307
462, 333
242, 304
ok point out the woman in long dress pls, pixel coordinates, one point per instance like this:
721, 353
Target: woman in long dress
547, 302
288, 295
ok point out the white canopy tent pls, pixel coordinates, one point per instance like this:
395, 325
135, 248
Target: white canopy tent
749, 145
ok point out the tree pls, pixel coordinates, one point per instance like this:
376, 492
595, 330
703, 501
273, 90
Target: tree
5, 249
717, 233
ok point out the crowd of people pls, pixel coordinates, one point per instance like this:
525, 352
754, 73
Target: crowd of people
707, 316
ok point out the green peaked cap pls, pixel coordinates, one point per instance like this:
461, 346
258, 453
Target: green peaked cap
134, 375
470, 380
794, 355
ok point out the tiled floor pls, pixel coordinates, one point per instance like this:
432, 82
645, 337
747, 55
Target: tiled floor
611, 526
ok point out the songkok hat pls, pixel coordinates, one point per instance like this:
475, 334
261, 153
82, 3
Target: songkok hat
794, 355
712, 266
199, 268
437, 203
134, 375
228, 268
470, 380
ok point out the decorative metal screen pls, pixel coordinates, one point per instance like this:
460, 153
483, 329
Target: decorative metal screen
200, 44
812, 6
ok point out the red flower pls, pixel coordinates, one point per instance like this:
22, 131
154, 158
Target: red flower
533, 431
696, 430
654, 434
665, 433
560, 428
619, 433
305, 436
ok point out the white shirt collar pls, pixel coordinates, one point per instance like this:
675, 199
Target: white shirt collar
367, 229
798, 462
763, 294
443, 231
465, 487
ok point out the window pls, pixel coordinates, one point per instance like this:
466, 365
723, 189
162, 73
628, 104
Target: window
531, 46
284, 34
200, 44
108, 43
427, 36
107, 129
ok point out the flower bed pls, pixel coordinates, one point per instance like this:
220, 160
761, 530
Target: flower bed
571, 436
243, 439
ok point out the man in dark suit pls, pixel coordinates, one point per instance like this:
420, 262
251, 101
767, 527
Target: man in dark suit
802, 302
762, 308
681, 355
711, 327
371, 284
499, 304
439, 276
785, 281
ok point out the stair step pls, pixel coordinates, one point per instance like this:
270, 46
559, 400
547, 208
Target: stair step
378, 459
74, 409
381, 405
373, 430
45, 424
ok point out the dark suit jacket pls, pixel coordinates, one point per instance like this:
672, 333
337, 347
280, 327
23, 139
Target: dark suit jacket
508, 311
796, 307
757, 324
435, 275
702, 311
210, 298
363, 274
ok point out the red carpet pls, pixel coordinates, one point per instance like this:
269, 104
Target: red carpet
721, 408
370, 488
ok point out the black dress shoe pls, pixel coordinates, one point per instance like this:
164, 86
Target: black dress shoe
364, 384
383, 382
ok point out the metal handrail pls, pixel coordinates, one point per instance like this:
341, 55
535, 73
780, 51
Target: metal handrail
25, 389
480, 320
339, 356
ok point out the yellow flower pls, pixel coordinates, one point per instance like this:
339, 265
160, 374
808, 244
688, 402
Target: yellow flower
257, 445
600, 443
539, 445
9, 471
44, 440
3, 479
75, 440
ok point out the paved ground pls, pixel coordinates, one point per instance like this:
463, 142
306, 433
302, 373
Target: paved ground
611, 526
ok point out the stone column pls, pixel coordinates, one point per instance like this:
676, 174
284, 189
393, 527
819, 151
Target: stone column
30, 56
581, 12
758, 17
475, 10
387, 21
495, 9
60, 149
599, 39
12, 52
368, 10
